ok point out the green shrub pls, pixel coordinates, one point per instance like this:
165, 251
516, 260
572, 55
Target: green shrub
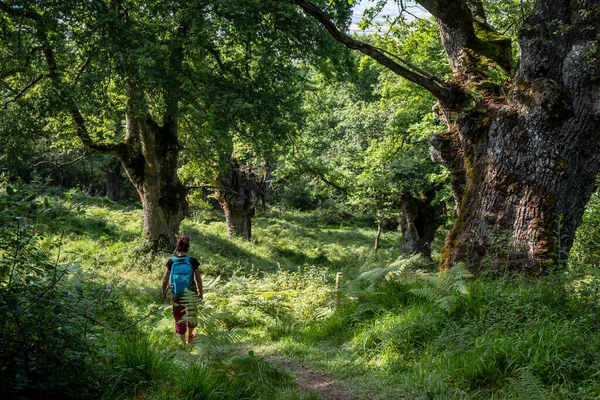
135, 364
48, 321
586, 248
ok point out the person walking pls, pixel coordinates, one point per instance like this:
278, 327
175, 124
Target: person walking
182, 273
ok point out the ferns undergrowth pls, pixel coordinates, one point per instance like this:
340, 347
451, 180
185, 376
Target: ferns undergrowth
396, 328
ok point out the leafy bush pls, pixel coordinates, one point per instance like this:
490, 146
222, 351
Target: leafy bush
47, 320
586, 248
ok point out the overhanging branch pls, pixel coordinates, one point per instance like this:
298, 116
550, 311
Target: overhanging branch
53, 74
23, 91
441, 90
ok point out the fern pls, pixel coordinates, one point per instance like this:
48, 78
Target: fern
210, 334
447, 288
529, 387
377, 289
372, 280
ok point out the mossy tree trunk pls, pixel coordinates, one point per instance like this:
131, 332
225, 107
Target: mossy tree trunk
524, 153
525, 158
239, 189
150, 160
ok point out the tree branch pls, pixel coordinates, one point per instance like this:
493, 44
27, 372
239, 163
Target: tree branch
78, 119
451, 12
24, 12
81, 69
441, 90
202, 187
23, 91
81, 157
476, 7
53, 74
4, 61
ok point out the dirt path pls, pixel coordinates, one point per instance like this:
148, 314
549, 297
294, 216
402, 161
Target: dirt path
310, 380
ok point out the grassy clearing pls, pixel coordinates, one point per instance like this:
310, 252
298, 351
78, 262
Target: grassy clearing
394, 329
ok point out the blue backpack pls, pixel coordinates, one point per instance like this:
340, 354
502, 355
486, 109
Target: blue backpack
181, 275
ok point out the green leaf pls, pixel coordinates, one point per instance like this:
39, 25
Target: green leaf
12, 303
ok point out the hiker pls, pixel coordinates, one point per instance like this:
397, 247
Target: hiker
184, 268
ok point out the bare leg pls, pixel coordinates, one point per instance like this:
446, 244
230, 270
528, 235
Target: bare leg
191, 335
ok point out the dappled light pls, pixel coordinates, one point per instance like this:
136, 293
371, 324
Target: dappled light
299, 199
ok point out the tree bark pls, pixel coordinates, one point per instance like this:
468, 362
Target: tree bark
524, 163
239, 221
149, 157
239, 191
420, 221
378, 236
523, 154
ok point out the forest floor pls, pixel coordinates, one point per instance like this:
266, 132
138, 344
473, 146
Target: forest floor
310, 380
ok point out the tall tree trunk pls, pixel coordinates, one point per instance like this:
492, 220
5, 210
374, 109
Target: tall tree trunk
523, 154
238, 220
420, 220
150, 160
114, 180
525, 162
378, 235
239, 191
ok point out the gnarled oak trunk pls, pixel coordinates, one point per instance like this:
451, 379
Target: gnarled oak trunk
523, 154
239, 191
150, 160
525, 158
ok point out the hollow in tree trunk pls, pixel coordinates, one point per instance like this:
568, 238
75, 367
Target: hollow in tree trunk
240, 188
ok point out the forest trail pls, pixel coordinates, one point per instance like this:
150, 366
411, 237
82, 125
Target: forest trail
310, 380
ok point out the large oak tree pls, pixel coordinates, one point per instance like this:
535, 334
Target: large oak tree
151, 61
523, 153
100, 59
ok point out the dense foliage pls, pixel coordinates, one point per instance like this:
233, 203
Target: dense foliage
393, 325
255, 89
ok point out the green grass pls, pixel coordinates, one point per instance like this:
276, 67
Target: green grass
507, 338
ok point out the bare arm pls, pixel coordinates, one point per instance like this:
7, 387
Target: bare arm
165, 284
199, 282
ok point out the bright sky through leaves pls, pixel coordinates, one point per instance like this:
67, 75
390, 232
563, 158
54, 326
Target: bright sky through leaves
390, 9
